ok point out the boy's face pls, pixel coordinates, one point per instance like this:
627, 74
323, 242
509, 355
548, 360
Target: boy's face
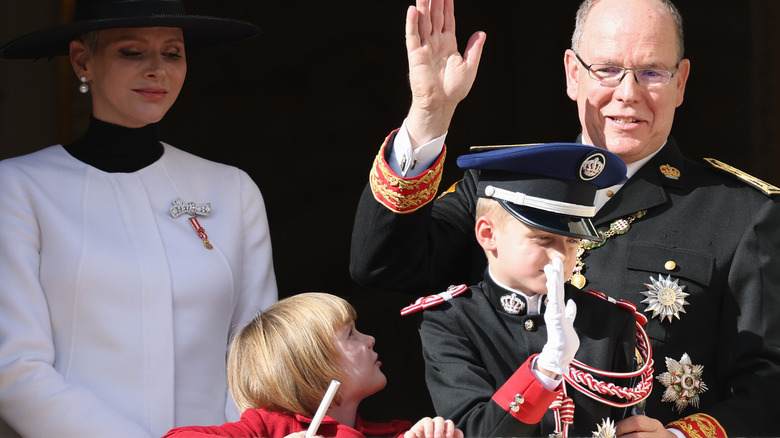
518, 253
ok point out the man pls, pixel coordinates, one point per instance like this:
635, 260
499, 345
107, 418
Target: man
693, 246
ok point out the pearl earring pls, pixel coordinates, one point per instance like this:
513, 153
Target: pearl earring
83, 88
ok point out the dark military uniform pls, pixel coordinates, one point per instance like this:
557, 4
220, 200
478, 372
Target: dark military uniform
473, 349
722, 235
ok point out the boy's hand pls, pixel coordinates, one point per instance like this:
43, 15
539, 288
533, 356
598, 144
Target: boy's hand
562, 340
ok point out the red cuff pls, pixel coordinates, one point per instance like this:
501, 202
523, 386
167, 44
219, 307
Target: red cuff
523, 396
404, 195
699, 426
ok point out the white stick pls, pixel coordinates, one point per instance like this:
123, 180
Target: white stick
324, 405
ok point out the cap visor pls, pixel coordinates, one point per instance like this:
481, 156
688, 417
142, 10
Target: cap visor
571, 226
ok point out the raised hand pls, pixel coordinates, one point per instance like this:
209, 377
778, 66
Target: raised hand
439, 76
562, 340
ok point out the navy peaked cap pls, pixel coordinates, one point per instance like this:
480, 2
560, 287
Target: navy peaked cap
549, 186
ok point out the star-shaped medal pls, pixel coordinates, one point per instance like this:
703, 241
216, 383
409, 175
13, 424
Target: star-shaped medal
683, 383
665, 297
606, 429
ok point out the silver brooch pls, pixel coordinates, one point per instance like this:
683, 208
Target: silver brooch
683, 383
180, 207
665, 297
606, 429
512, 304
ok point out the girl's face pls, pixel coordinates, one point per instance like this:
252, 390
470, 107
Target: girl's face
360, 364
135, 74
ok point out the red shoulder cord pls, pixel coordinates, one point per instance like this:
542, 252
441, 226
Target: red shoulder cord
580, 376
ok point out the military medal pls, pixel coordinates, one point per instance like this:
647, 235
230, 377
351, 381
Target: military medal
193, 209
683, 383
606, 429
665, 297
616, 228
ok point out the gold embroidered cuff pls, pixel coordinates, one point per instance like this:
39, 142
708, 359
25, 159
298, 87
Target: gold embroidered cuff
404, 195
699, 426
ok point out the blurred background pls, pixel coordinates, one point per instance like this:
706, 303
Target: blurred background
304, 108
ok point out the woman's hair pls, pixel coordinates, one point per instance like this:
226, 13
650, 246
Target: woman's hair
285, 359
90, 40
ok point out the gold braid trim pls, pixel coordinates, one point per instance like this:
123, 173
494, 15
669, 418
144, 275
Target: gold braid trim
404, 195
699, 426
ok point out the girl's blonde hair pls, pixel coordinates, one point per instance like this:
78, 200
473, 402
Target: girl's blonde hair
285, 359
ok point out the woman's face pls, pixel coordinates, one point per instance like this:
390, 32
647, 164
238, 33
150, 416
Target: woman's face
360, 364
135, 74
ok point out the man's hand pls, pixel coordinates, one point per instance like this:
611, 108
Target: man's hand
639, 426
438, 75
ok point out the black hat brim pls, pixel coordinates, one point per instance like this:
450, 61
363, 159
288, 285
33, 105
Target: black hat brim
571, 226
198, 31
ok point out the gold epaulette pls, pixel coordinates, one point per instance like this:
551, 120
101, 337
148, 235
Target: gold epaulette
699, 426
763, 186
404, 195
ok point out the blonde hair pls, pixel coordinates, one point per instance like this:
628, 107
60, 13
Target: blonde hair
90, 40
285, 359
490, 208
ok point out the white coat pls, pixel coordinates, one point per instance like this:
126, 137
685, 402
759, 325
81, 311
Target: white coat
114, 317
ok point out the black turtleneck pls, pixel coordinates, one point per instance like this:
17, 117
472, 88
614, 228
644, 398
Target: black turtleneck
114, 148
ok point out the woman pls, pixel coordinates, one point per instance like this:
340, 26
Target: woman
125, 262
281, 365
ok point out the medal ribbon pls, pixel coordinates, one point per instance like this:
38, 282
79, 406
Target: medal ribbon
201, 232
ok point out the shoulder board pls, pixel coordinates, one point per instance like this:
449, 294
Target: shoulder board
434, 300
765, 187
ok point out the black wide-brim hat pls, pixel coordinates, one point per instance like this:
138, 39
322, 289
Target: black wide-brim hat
549, 186
92, 15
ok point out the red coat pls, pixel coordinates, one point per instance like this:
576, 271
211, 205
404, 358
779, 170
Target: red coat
266, 424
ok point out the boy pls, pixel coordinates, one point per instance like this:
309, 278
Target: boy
495, 355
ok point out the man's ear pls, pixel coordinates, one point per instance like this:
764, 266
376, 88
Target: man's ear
683, 70
485, 230
572, 67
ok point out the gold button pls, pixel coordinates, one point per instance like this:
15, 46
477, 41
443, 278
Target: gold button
514, 407
519, 399
529, 325
670, 265
610, 193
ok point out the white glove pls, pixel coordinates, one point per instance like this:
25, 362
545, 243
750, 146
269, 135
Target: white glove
562, 340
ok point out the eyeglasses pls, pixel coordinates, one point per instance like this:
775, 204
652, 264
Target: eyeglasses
611, 75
